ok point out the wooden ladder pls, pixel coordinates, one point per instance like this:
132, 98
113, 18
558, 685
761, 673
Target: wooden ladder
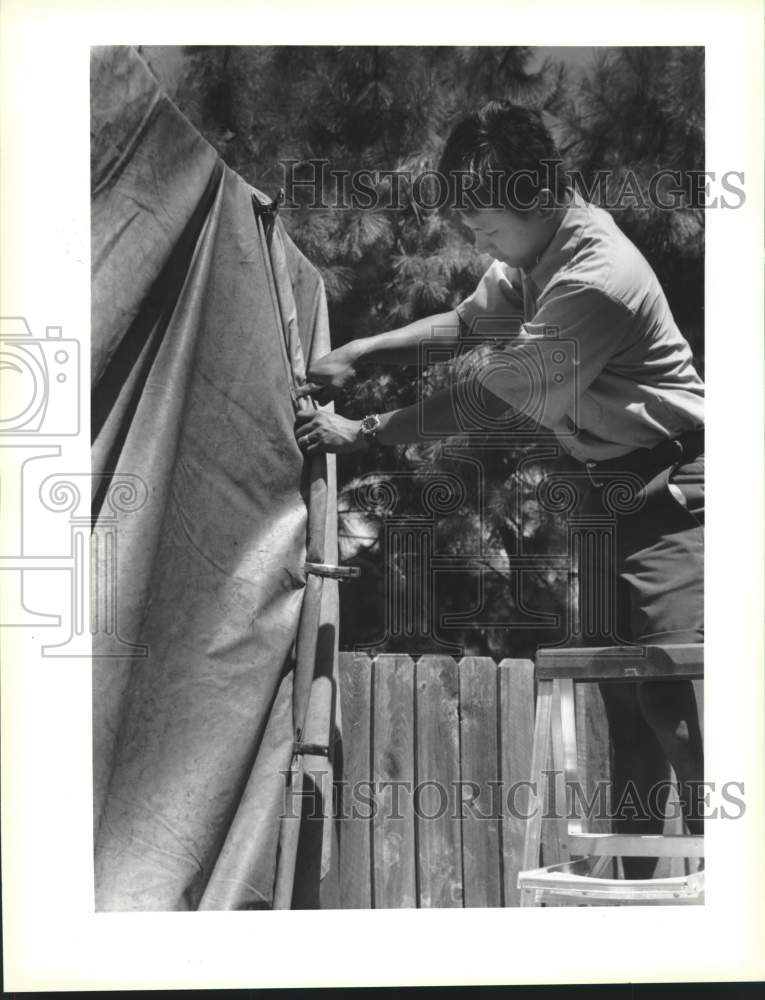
579, 877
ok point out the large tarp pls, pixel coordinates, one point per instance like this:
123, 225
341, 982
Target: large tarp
203, 316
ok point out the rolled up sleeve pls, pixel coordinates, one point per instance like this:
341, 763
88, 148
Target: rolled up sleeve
495, 307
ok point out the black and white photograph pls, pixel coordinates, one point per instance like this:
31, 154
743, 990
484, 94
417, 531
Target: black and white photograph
518, 426
383, 572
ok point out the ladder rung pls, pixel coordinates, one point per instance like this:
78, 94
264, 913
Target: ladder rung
653, 845
622, 663
561, 880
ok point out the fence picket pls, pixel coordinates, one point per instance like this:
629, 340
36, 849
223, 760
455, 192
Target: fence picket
393, 762
516, 685
479, 772
439, 841
356, 824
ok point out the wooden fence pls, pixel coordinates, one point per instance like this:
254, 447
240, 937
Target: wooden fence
434, 757
435, 754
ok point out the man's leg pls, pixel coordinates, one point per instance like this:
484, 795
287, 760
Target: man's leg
670, 710
657, 574
663, 568
638, 763
639, 772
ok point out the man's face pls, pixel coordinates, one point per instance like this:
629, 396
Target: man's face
512, 237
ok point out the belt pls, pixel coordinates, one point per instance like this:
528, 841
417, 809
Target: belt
685, 448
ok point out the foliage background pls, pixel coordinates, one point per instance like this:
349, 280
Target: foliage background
390, 108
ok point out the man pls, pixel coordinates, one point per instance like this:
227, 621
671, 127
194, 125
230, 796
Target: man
573, 299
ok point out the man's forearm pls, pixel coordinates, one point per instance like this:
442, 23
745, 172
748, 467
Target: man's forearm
402, 346
432, 417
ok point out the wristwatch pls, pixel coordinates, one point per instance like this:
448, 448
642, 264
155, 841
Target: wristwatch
370, 426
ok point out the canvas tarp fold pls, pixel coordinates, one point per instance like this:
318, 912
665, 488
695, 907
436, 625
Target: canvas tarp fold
201, 326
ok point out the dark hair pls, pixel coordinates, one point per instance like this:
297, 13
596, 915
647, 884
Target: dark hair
501, 156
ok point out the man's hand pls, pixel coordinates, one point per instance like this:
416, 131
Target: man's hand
328, 375
318, 431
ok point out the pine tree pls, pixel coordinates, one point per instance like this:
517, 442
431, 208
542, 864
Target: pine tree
637, 112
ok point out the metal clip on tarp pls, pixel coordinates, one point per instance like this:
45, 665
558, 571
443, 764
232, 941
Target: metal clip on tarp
267, 213
341, 573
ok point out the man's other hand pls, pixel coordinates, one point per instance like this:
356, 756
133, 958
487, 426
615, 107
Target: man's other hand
327, 376
318, 431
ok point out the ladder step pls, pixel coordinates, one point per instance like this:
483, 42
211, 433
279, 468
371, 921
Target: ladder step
655, 845
622, 663
571, 879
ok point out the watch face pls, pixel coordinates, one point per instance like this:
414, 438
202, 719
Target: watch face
370, 424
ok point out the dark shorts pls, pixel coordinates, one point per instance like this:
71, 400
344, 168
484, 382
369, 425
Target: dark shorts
652, 572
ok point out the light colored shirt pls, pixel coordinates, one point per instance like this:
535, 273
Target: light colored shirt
590, 348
